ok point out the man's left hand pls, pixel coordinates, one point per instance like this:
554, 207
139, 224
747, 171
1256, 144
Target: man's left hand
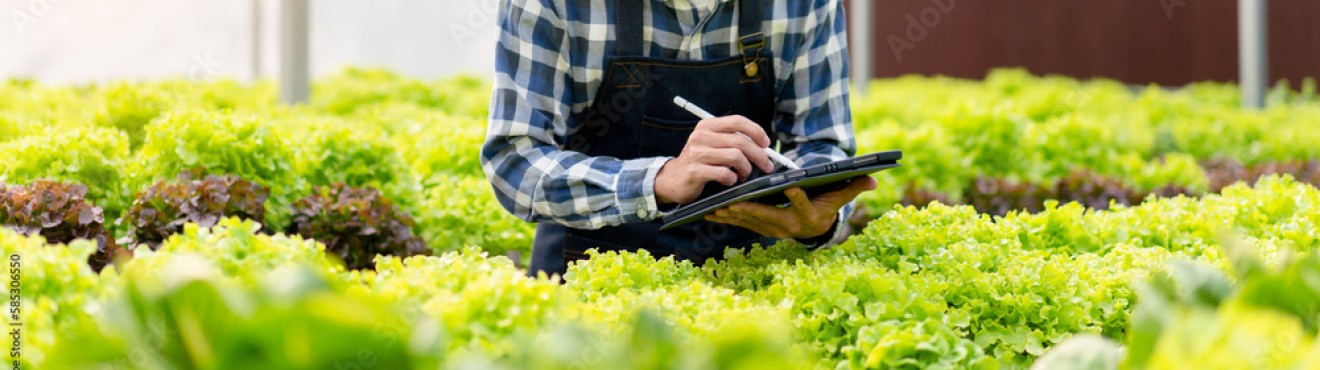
803, 219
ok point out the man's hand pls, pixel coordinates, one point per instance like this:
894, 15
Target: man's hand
804, 219
714, 152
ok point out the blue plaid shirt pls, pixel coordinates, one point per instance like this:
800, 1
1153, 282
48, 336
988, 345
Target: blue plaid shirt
550, 61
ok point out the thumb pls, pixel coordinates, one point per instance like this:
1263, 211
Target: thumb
855, 187
863, 184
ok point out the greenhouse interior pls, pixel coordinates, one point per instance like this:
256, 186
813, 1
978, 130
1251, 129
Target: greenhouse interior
660, 184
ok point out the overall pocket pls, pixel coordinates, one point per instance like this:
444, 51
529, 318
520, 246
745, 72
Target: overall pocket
664, 137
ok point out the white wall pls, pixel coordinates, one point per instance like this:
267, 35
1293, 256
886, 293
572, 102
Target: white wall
81, 41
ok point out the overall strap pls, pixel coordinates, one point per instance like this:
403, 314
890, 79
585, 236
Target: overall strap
629, 18
628, 27
750, 39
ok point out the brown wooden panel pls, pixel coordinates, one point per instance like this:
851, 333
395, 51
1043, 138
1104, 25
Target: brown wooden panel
1169, 42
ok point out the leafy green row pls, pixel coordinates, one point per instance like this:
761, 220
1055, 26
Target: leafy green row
228, 297
406, 136
1193, 315
120, 138
934, 288
92, 156
223, 143
1038, 129
949, 288
461, 211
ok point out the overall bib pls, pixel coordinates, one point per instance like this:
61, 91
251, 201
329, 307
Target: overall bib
633, 116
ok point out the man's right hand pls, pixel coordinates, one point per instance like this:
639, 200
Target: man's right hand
714, 152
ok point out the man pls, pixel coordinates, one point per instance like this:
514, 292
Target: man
584, 137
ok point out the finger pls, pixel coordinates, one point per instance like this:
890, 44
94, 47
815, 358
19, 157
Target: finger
860, 185
788, 222
801, 203
727, 157
705, 173
780, 218
724, 216
753, 153
864, 184
716, 219
747, 219
856, 187
724, 220
736, 124
735, 215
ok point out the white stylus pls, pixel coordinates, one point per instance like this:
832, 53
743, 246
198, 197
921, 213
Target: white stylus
703, 114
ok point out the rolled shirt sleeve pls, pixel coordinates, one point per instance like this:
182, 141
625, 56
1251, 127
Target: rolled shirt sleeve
815, 118
814, 123
532, 177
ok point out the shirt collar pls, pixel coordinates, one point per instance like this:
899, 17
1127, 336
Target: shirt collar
702, 6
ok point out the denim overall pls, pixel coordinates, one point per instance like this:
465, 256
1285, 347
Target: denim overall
633, 116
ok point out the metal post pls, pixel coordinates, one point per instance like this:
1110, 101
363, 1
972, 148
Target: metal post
256, 40
860, 27
294, 76
1253, 51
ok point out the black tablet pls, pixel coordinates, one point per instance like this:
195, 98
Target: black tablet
821, 178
